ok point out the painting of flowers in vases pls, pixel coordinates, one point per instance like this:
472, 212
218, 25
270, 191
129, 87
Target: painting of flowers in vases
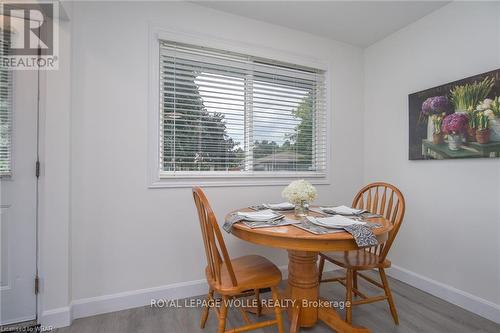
460, 119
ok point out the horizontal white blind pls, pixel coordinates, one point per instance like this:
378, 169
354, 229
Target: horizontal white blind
227, 112
5, 107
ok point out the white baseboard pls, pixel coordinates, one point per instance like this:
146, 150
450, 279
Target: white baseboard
86, 307
469, 302
17, 320
132, 299
121, 301
59, 317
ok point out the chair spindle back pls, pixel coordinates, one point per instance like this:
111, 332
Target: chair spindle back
387, 200
215, 248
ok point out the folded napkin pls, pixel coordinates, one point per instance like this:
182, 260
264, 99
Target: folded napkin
363, 234
277, 206
360, 231
306, 225
280, 206
272, 223
342, 210
260, 216
230, 220
336, 221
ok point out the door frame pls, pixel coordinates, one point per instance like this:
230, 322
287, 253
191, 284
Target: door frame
41, 131
54, 267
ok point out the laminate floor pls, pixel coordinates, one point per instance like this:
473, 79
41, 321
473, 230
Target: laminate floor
418, 312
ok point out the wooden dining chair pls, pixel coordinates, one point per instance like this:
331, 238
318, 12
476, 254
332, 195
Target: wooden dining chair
233, 278
377, 198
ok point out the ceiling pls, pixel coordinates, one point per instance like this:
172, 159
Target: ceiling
360, 23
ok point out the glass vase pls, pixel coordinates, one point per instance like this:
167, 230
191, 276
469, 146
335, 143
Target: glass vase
430, 129
301, 209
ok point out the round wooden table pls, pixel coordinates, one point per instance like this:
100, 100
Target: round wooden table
303, 278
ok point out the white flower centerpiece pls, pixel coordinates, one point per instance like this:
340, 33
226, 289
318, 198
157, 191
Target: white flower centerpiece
491, 108
300, 193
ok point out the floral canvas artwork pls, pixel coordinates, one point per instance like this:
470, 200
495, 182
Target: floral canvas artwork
460, 119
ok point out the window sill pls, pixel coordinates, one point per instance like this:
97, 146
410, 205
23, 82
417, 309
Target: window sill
180, 181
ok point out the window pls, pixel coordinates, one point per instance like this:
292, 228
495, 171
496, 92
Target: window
5, 107
223, 113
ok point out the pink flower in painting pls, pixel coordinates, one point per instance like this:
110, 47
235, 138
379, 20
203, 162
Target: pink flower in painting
455, 123
427, 107
435, 105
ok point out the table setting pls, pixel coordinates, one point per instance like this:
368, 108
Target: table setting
298, 212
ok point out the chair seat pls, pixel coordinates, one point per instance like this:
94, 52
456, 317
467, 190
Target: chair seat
357, 260
252, 272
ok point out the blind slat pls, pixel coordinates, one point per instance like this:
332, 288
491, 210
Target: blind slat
5, 109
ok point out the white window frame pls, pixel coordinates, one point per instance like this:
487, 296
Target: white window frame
223, 178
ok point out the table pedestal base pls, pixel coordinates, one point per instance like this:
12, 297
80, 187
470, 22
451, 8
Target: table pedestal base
303, 286
303, 290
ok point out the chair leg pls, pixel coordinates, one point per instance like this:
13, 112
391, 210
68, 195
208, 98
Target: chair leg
320, 268
277, 309
259, 304
355, 279
223, 315
388, 293
204, 315
348, 309
294, 322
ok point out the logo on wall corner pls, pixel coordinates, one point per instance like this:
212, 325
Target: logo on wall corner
29, 35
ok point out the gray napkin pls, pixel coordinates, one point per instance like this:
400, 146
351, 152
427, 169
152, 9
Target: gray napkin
258, 207
263, 206
230, 220
276, 222
363, 234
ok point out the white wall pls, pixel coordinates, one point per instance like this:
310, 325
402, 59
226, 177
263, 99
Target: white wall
125, 236
451, 232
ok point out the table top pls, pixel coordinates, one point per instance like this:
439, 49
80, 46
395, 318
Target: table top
293, 238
